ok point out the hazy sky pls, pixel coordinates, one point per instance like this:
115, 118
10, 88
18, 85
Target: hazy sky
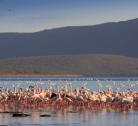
35, 15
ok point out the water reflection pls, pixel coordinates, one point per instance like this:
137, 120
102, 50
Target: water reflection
65, 117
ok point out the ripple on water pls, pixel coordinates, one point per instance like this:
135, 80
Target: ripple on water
15, 124
57, 124
33, 125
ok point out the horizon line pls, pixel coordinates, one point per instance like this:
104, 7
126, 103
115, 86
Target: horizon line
60, 27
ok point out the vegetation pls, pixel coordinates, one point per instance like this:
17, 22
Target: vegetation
81, 64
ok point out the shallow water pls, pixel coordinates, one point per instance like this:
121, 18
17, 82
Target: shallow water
67, 117
98, 84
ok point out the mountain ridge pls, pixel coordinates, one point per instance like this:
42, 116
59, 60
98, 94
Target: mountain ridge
135, 20
117, 38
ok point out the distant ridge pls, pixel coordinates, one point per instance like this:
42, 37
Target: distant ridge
117, 38
83, 64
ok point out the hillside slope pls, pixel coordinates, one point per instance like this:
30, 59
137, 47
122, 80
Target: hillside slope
119, 38
87, 64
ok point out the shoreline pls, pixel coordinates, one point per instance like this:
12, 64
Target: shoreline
72, 75
66, 78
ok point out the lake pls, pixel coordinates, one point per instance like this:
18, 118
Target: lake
64, 117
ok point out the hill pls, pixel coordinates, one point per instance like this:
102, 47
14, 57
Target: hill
85, 64
118, 38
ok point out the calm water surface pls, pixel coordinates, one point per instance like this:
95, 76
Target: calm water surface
63, 117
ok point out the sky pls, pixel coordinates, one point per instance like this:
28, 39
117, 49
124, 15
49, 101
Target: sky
37, 15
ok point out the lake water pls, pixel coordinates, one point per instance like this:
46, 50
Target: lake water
63, 117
